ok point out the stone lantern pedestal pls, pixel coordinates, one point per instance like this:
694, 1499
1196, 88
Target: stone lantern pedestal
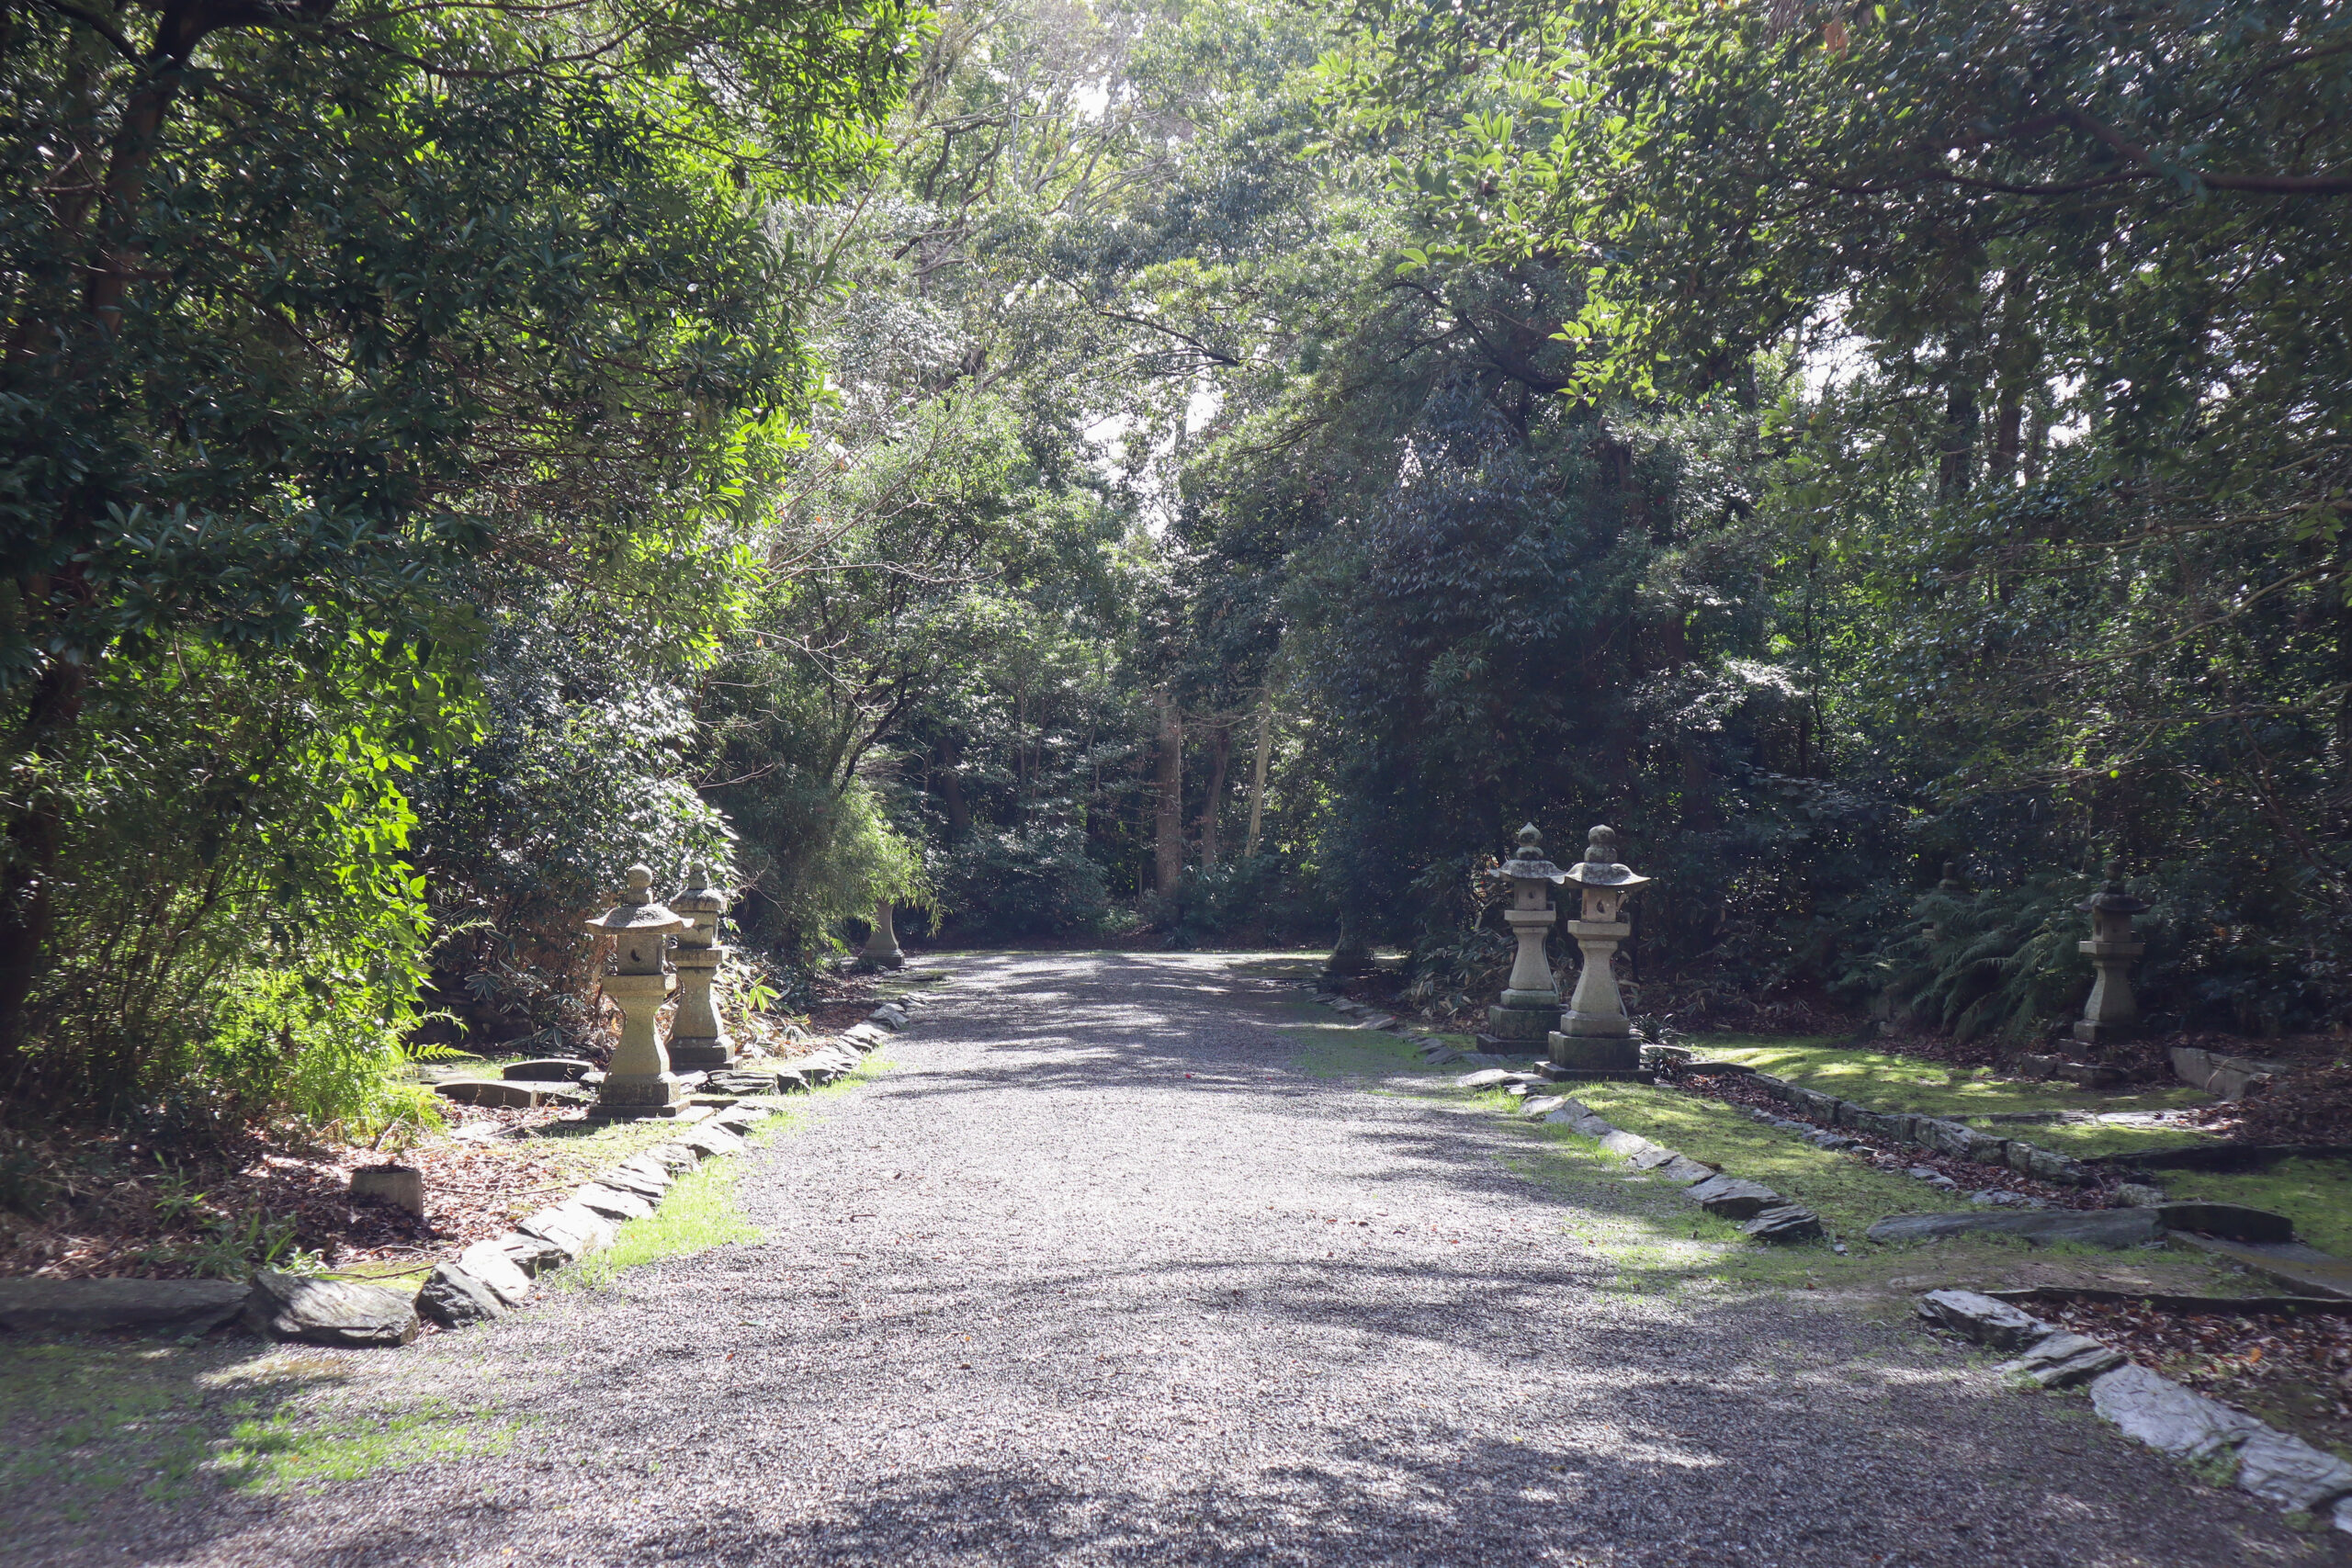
882, 941
697, 1039
2110, 1014
1595, 1039
1517, 1023
638, 1082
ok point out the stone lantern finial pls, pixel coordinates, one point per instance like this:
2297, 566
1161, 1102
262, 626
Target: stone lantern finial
1520, 1021
638, 1082
2111, 1012
1595, 1039
697, 1038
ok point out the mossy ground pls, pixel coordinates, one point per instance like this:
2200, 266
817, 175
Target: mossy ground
1661, 1242
89, 1419
702, 1210
2315, 1194
1887, 1081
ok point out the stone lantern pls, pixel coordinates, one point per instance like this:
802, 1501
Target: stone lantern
882, 942
638, 1082
1530, 1001
697, 1039
1595, 1039
2111, 1012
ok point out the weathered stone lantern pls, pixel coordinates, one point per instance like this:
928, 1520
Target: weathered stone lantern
1530, 1000
882, 941
697, 1039
2111, 1012
1595, 1039
638, 1082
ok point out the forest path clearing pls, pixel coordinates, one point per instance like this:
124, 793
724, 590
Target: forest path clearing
1112, 1266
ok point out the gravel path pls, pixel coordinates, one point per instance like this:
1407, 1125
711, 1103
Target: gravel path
1097, 1275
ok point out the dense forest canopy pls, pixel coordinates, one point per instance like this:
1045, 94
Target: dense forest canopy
1192, 472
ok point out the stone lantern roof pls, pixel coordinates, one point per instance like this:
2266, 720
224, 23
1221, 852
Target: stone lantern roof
639, 924
1599, 867
2113, 898
698, 896
1527, 862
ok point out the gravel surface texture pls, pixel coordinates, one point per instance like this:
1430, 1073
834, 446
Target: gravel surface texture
1096, 1274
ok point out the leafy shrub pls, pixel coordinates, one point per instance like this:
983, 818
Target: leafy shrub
1007, 884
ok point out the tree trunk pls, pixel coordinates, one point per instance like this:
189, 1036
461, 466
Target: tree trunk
1168, 825
951, 786
1258, 773
1955, 467
1220, 757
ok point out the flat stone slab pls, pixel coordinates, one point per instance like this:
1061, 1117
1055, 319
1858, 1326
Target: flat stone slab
649, 1185
505, 1094
1983, 1320
329, 1312
1484, 1077
2290, 1472
1733, 1199
2166, 1417
1543, 1105
2231, 1221
549, 1069
2092, 1227
2063, 1359
531, 1254
92, 1306
612, 1202
453, 1297
2305, 1269
712, 1139
495, 1267
1781, 1223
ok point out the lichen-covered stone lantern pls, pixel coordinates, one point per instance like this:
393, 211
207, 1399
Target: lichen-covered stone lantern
2110, 1014
638, 1082
882, 941
698, 1041
1530, 1000
1595, 1039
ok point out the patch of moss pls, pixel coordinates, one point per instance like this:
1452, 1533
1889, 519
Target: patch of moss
1661, 1242
91, 1418
1888, 1081
2316, 1194
1849, 1195
701, 1210
1331, 1051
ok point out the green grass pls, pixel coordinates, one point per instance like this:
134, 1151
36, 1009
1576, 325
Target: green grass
1847, 1194
89, 1419
1662, 1243
2315, 1194
702, 1210
1886, 1082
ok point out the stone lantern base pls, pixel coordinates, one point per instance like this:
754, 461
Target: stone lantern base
631, 1100
1585, 1057
1516, 1026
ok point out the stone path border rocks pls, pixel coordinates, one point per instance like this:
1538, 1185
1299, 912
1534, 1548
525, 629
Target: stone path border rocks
1934, 1133
2259, 1459
1759, 1211
488, 1281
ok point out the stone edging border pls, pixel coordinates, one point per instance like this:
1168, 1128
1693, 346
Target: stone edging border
1934, 1133
490, 1279
2261, 1460
1761, 1212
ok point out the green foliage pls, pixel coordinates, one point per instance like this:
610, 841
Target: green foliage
334, 346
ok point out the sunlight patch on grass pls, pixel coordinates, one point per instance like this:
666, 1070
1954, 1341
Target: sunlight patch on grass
1886, 1082
1662, 1243
2316, 1194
